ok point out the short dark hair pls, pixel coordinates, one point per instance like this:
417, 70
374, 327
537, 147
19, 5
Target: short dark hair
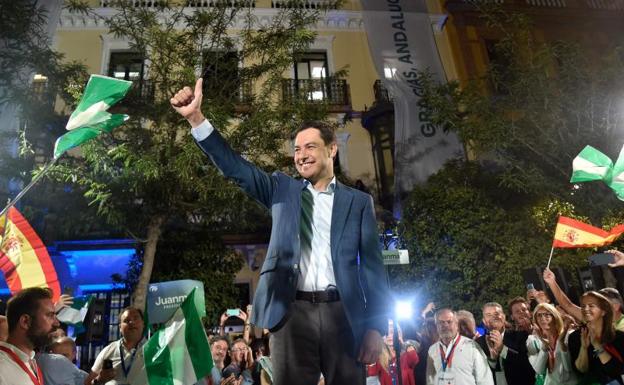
25, 302
327, 132
215, 339
515, 301
130, 309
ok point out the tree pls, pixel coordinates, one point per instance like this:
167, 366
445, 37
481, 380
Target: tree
30, 121
148, 173
476, 225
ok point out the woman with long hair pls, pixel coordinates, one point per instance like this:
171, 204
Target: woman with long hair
597, 349
547, 347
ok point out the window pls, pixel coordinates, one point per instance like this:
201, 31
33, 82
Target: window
222, 77
126, 65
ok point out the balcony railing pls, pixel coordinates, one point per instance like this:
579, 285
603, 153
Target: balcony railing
307, 4
189, 3
221, 3
578, 5
334, 92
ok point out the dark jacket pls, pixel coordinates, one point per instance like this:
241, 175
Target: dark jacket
355, 247
517, 368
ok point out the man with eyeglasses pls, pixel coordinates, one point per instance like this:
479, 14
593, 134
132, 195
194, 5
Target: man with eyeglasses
506, 349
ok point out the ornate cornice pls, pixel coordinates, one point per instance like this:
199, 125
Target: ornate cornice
330, 21
336, 20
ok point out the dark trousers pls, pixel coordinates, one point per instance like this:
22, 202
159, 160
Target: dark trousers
315, 338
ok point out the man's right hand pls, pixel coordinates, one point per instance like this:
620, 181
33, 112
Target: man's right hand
188, 103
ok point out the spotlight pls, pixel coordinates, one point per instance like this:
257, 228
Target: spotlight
403, 310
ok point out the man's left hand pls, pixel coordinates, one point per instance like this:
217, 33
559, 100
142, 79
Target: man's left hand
371, 347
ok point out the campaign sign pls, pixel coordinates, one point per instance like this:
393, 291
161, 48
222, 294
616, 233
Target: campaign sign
164, 298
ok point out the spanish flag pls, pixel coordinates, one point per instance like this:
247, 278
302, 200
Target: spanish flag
572, 233
24, 259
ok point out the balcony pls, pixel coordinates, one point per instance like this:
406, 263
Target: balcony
332, 92
534, 5
307, 4
221, 3
189, 3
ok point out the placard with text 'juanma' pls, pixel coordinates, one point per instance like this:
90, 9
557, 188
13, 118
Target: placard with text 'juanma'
163, 298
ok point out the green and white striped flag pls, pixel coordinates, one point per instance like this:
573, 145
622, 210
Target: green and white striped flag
591, 164
179, 353
90, 118
76, 313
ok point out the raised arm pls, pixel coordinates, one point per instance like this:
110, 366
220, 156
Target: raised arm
255, 182
560, 296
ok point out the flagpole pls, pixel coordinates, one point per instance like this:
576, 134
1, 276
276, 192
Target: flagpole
29, 186
552, 249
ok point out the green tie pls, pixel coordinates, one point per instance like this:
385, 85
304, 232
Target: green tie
305, 228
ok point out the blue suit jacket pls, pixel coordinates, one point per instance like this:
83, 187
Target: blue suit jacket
355, 248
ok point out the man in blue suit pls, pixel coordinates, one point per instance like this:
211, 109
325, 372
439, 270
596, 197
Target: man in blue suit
322, 289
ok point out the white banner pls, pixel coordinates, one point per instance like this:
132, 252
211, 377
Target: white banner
401, 41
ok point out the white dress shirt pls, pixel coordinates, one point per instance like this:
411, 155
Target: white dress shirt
468, 366
10, 372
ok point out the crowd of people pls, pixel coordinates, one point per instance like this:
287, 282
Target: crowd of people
542, 344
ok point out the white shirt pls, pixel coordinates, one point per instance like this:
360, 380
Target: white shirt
10, 372
468, 366
135, 367
563, 372
316, 271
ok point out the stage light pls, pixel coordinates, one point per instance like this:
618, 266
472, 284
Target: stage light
403, 310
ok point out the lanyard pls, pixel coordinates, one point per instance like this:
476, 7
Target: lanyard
20, 363
448, 358
126, 371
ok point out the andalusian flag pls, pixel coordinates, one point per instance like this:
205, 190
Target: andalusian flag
572, 233
75, 314
24, 259
591, 164
179, 353
90, 118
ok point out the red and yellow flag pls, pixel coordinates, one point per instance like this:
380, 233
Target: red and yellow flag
24, 259
572, 233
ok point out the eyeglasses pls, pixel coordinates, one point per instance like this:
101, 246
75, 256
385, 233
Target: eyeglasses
239, 350
543, 315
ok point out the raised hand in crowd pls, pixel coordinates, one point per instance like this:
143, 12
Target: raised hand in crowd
619, 258
63, 301
495, 343
563, 300
430, 308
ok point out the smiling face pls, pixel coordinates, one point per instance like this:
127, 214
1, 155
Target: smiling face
219, 350
521, 315
494, 318
592, 311
313, 158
